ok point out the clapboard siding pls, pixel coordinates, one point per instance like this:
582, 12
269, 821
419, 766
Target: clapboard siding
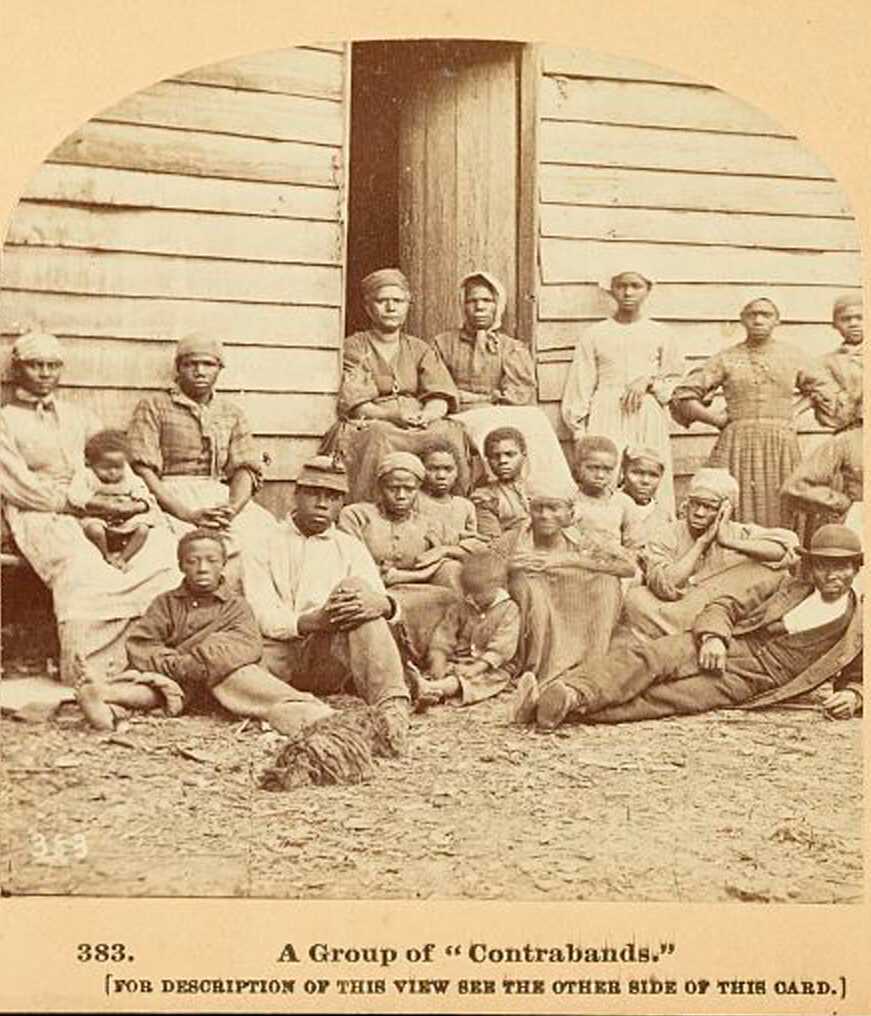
157, 318
638, 187
163, 150
97, 186
642, 168
172, 232
212, 202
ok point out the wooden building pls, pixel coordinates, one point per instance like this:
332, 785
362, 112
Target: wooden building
248, 198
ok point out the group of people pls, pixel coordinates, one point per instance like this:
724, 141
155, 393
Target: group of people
442, 546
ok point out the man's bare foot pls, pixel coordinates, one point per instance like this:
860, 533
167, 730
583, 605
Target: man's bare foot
90, 699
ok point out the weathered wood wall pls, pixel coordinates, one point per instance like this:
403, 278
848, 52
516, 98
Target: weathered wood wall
213, 202
457, 176
639, 166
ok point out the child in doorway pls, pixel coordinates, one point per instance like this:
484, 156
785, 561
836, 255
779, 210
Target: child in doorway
598, 505
438, 501
502, 502
118, 509
195, 639
476, 639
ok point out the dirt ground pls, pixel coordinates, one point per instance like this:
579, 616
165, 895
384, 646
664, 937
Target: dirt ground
732, 806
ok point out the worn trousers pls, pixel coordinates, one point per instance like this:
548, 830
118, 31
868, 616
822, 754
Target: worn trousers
325, 663
647, 681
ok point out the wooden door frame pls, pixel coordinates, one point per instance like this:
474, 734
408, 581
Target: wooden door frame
528, 83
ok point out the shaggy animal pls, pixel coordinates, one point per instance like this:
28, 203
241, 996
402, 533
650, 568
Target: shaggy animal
339, 749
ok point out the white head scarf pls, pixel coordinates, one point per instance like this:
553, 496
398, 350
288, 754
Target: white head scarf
492, 283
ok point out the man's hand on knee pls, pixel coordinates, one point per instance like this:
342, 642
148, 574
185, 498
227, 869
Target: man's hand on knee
352, 605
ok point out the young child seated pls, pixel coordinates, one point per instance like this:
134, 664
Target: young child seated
642, 470
118, 509
598, 506
198, 638
475, 639
502, 503
438, 501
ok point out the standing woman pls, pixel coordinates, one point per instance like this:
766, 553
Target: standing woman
42, 444
758, 443
395, 391
194, 450
622, 376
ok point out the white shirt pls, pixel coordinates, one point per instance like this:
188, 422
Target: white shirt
814, 612
296, 573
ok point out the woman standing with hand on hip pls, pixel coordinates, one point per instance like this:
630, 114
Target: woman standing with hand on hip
758, 442
622, 376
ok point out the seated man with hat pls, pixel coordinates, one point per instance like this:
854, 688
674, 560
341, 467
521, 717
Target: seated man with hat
322, 608
748, 648
194, 450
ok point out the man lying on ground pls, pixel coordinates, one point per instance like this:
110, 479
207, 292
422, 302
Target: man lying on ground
749, 648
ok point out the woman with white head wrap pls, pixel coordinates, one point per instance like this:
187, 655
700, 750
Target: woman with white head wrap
622, 375
701, 555
495, 377
758, 441
42, 442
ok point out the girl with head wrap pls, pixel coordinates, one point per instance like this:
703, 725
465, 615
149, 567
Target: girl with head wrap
413, 552
495, 378
758, 442
702, 555
194, 450
622, 375
42, 446
395, 390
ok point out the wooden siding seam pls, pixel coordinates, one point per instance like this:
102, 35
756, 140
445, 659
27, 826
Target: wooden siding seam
109, 209
297, 93
164, 296
686, 172
694, 208
666, 127
212, 132
553, 235
697, 85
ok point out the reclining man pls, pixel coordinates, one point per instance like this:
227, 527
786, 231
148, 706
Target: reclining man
749, 649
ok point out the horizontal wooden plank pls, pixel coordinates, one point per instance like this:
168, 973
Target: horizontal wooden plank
556, 340
124, 188
67, 314
293, 71
269, 414
734, 229
688, 151
578, 260
225, 111
286, 456
171, 232
69, 271
143, 364
590, 63
160, 150
693, 302
654, 105
644, 188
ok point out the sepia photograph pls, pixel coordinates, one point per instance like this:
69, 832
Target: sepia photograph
432, 469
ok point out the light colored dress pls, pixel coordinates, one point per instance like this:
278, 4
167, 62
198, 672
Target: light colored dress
42, 444
609, 356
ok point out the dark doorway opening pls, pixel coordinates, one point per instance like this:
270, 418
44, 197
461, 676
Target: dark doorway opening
433, 171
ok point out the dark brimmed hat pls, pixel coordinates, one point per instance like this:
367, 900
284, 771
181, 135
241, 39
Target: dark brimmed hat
834, 541
323, 471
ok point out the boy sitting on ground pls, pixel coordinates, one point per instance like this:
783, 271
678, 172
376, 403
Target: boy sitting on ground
197, 638
476, 639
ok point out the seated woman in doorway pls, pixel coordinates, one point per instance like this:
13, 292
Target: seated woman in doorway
395, 391
704, 554
418, 565
194, 450
42, 445
566, 582
495, 377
